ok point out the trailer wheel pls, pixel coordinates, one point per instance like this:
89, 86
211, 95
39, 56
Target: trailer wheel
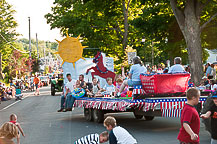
137, 116
98, 115
206, 106
149, 118
88, 114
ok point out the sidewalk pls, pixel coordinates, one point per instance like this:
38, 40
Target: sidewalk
6, 103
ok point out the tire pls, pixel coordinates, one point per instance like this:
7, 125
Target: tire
88, 114
149, 118
98, 115
53, 93
137, 116
206, 106
52, 90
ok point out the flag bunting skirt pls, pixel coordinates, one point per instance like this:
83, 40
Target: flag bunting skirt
170, 107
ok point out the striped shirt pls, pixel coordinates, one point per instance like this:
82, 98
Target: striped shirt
89, 139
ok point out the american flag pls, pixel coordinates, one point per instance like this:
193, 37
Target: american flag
138, 90
171, 112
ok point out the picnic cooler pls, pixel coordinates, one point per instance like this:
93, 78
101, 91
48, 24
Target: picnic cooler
165, 83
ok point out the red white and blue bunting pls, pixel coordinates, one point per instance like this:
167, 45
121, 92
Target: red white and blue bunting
171, 112
138, 90
173, 107
169, 107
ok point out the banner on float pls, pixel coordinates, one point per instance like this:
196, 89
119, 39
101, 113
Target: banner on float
81, 67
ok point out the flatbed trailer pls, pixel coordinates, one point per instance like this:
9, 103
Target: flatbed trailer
95, 108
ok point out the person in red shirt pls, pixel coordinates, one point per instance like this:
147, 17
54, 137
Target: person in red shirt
190, 120
36, 81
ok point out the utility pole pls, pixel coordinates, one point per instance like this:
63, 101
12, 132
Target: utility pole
45, 60
37, 46
29, 48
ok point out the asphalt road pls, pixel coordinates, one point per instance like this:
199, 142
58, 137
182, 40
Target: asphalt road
43, 125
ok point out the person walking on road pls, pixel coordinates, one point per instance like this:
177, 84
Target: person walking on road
36, 81
9, 131
190, 120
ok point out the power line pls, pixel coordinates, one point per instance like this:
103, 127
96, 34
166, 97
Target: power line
11, 44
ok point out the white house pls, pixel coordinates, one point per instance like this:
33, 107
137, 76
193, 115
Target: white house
212, 55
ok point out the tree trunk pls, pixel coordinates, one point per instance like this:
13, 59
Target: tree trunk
193, 42
189, 23
1, 75
192, 34
126, 25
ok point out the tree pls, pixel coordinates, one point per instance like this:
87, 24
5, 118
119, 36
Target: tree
17, 65
188, 15
7, 31
102, 24
157, 23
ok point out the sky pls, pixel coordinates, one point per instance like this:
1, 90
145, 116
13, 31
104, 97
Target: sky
35, 9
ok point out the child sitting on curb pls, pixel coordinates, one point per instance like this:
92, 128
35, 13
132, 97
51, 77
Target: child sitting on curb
118, 135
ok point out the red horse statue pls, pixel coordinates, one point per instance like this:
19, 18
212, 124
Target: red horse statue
100, 69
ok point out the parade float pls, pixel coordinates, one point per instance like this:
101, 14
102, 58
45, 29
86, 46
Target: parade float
159, 95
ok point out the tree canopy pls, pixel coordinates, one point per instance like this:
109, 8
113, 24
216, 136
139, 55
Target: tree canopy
15, 56
101, 24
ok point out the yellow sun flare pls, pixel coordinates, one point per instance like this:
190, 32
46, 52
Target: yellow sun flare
70, 49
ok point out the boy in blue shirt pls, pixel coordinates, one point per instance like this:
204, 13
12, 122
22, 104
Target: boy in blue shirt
109, 88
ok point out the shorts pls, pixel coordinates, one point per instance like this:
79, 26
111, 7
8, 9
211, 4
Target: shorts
213, 141
189, 143
133, 83
36, 85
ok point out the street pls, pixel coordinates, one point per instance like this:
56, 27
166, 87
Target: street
43, 125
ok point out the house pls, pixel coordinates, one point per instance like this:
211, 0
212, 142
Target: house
212, 56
